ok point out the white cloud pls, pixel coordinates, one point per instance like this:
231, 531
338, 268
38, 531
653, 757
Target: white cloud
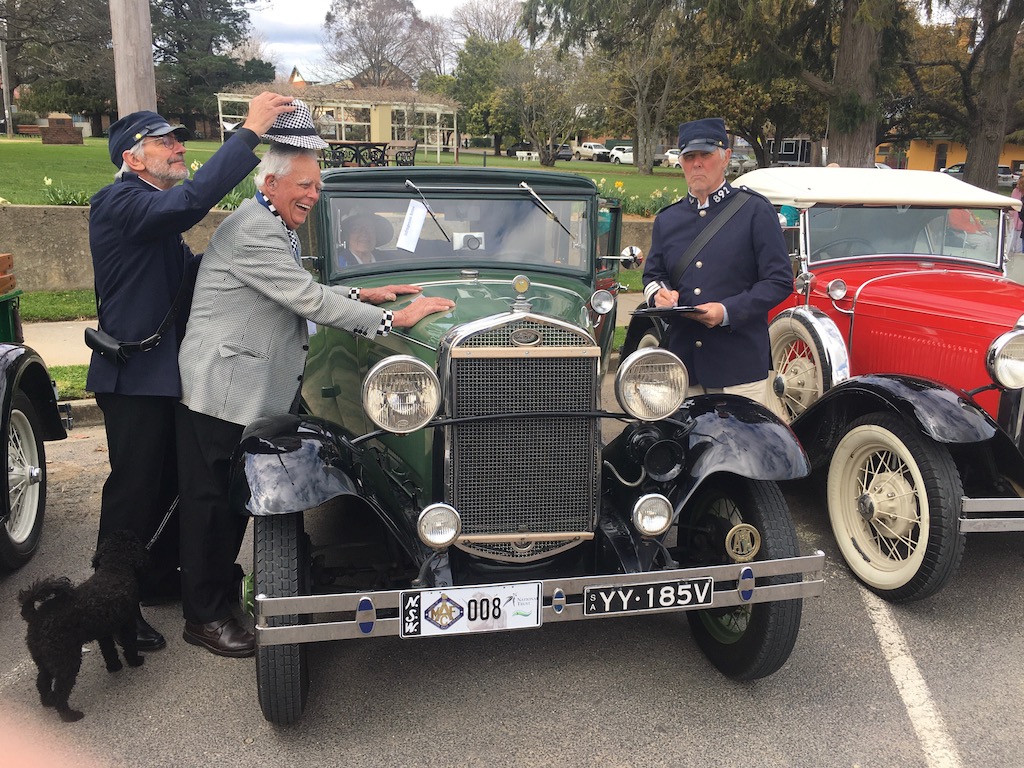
293, 36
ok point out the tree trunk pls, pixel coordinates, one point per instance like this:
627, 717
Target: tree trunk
992, 80
853, 115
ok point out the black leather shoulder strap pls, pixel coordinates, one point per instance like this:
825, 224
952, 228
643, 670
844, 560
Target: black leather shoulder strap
740, 197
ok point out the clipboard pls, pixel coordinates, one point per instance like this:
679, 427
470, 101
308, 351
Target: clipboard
666, 312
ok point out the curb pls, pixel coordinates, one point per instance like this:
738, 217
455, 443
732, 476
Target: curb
85, 413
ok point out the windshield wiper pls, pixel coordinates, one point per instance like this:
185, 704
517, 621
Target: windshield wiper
544, 207
426, 205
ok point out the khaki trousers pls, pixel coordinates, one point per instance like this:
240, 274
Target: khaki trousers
758, 391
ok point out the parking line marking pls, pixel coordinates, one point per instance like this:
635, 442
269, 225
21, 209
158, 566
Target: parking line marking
938, 747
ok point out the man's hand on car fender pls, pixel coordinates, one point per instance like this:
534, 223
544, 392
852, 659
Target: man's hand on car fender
386, 293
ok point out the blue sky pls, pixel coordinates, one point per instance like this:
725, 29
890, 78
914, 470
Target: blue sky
291, 29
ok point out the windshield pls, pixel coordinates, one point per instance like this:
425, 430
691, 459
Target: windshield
507, 231
837, 232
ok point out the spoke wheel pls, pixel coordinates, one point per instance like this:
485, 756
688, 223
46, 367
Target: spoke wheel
745, 642
799, 361
26, 485
282, 570
893, 499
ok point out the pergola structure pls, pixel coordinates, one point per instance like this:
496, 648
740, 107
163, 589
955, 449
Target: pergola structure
360, 114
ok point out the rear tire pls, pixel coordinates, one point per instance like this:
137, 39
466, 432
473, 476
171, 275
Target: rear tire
282, 570
745, 642
26, 485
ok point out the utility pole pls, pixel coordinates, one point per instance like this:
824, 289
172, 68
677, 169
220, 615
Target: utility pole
132, 32
8, 117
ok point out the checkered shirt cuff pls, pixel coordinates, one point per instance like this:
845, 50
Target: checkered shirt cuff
353, 293
385, 323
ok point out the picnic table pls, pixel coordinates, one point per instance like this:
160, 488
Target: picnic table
354, 153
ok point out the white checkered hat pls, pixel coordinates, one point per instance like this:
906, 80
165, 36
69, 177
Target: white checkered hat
296, 128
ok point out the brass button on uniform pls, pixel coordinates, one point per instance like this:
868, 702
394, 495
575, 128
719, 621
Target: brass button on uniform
699, 344
702, 212
696, 291
699, 264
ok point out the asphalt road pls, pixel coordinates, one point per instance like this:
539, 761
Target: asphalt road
935, 683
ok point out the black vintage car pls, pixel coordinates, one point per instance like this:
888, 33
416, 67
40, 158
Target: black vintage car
29, 416
463, 476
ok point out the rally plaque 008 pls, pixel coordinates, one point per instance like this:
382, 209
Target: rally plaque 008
465, 610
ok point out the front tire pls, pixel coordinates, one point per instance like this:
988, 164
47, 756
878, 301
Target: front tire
26, 485
745, 642
282, 570
893, 500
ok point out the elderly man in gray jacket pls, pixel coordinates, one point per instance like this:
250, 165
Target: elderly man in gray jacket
242, 357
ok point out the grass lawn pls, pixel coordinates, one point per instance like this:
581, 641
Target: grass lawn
86, 168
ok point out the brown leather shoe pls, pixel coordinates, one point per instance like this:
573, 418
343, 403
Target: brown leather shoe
225, 637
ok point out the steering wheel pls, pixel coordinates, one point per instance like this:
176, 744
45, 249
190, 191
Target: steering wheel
848, 244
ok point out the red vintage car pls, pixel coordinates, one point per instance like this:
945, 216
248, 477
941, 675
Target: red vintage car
900, 359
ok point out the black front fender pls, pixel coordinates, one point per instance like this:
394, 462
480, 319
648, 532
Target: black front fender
286, 464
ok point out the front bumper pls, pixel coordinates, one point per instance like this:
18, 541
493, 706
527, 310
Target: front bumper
734, 584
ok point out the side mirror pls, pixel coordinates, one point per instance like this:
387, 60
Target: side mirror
631, 257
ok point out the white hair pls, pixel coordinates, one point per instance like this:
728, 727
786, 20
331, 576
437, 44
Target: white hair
278, 161
138, 153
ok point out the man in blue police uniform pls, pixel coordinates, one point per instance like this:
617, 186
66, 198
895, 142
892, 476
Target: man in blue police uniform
742, 272
140, 261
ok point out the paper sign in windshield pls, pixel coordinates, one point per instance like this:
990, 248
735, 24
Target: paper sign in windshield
411, 227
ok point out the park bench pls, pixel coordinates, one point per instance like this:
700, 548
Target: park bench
28, 130
402, 152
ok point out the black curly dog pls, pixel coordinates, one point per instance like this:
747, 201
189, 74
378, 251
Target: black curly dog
61, 617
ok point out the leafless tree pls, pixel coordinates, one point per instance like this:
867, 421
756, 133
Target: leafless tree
496, 21
438, 45
377, 41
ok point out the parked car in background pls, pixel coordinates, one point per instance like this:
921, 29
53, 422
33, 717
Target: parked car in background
454, 478
672, 158
519, 146
593, 150
883, 166
1005, 177
622, 154
741, 163
956, 170
563, 152
900, 358
29, 416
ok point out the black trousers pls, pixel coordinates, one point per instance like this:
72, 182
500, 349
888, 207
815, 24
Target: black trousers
211, 535
143, 482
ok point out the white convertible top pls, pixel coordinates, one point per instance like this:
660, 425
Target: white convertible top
803, 187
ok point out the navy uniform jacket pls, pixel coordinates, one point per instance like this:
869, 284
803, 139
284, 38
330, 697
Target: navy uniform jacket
745, 267
139, 259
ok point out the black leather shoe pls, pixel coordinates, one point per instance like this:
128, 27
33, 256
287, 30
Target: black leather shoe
147, 638
225, 637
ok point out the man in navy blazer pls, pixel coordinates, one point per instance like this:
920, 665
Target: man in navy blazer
140, 260
742, 272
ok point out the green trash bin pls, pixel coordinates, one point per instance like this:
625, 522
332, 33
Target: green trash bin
10, 317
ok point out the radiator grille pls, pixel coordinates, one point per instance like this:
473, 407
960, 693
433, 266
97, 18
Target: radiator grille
529, 474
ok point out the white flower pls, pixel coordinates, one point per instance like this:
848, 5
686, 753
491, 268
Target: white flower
47, 181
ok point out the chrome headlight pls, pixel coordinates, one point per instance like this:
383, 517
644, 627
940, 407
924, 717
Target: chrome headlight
401, 394
652, 514
602, 302
651, 384
439, 525
1005, 360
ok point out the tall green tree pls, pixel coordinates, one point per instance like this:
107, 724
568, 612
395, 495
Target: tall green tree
478, 76
192, 42
972, 81
639, 41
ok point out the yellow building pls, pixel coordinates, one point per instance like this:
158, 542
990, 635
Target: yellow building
935, 154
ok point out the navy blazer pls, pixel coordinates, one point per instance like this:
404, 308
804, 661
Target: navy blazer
139, 259
745, 267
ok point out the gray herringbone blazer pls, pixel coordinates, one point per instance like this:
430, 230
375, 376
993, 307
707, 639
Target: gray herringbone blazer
245, 344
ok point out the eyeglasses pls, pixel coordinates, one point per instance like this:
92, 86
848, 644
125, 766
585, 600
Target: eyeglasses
168, 140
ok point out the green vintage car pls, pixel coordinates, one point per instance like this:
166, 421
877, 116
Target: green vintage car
464, 475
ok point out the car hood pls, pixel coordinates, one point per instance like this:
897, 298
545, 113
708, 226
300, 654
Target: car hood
953, 298
488, 296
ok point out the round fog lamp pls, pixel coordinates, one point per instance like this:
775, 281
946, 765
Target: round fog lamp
602, 301
652, 514
439, 525
401, 394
